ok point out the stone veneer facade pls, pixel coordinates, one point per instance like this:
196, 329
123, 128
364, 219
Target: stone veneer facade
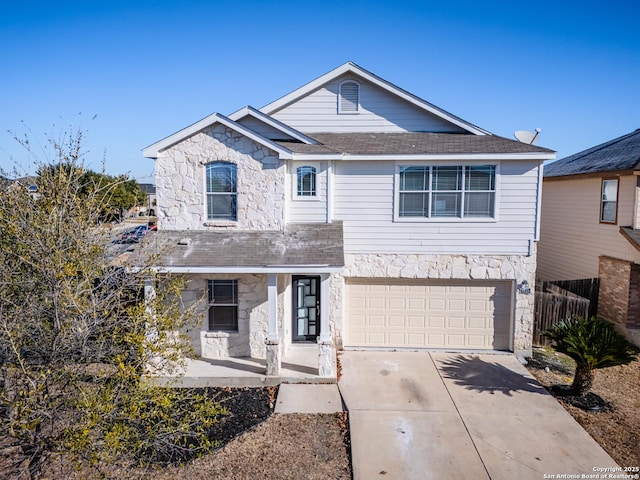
181, 183
516, 268
253, 310
253, 320
248, 341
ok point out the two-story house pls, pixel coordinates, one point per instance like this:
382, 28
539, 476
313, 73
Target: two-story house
352, 213
591, 225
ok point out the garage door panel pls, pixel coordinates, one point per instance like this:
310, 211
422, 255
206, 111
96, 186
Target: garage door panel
398, 303
457, 304
416, 339
396, 338
437, 304
479, 305
481, 323
417, 303
455, 341
376, 338
455, 322
436, 322
358, 302
431, 314
377, 303
478, 341
416, 322
357, 321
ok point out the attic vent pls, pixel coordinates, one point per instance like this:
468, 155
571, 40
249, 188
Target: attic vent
349, 98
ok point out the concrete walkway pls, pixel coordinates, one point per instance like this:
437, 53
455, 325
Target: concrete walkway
308, 398
440, 416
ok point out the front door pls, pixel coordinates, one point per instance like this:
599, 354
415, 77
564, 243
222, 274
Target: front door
306, 308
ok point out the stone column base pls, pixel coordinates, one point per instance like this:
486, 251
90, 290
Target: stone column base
325, 358
273, 357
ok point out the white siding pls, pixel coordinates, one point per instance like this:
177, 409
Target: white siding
364, 195
263, 129
572, 237
308, 209
379, 112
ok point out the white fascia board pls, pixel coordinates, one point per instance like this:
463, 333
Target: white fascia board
277, 124
385, 85
317, 157
307, 269
152, 151
426, 157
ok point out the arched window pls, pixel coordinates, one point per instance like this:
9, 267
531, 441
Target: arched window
222, 193
306, 181
349, 97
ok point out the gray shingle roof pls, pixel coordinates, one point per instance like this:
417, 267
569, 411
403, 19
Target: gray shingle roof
411, 143
619, 154
297, 245
632, 235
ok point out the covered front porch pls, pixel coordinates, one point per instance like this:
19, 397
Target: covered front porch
266, 300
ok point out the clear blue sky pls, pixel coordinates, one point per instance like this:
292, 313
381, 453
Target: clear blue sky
146, 69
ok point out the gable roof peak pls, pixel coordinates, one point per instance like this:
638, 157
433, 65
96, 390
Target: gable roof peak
153, 150
351, 67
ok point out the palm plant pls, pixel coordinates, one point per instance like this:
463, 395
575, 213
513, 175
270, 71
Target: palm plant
592, 343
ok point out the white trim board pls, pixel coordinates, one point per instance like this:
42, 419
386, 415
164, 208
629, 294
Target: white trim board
295, 269
153, 150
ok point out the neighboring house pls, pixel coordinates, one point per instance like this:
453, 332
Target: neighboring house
354, 213
591, 224
30, 184
149, 206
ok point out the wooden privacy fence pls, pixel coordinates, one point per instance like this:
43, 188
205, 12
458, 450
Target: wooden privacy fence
551, 308
583, 287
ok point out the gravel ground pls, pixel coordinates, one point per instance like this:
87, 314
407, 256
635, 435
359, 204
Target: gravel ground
617, 428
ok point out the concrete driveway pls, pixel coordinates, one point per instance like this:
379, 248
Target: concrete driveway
423, 415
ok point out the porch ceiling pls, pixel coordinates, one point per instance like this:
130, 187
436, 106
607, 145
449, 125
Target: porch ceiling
298, 246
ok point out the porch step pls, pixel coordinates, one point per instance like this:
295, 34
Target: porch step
308, 398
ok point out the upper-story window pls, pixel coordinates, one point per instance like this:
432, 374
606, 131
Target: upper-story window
349, 97
222, 193
306, 181
609, 205
447, 191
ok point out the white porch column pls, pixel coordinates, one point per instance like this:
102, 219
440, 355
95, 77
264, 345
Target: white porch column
149, 296
273, 339
325, 349
156, 365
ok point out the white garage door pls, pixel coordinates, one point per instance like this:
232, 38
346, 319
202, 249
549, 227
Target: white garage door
428, 314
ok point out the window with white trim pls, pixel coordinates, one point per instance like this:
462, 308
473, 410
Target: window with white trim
306, 181
609, 205
349, 97
444, 191
222, 191
223, 305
